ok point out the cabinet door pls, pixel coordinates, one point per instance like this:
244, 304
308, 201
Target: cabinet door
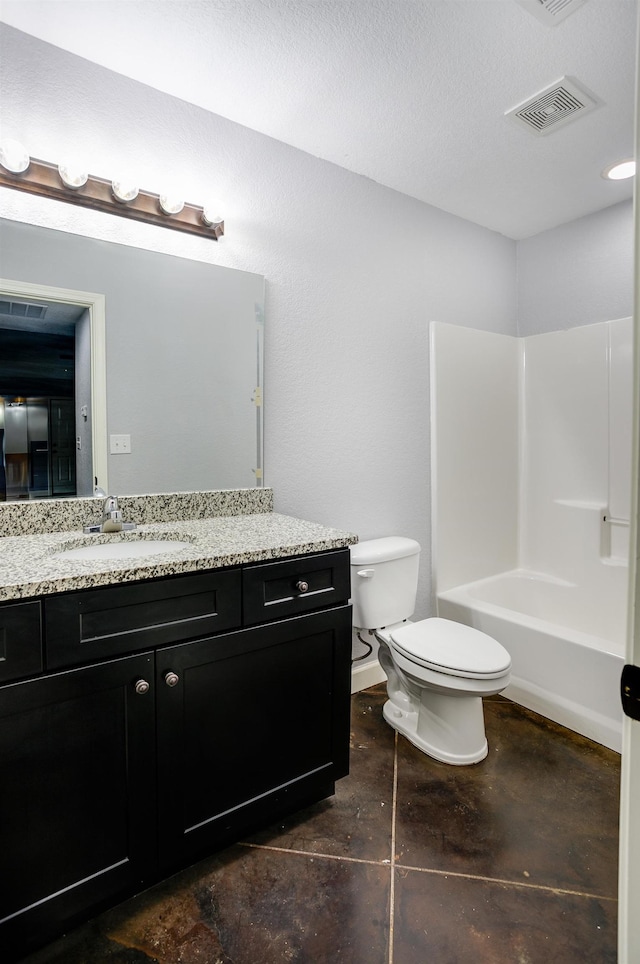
76, 806
20, 640
256, 723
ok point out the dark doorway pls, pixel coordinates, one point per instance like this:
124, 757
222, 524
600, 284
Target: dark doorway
37, 414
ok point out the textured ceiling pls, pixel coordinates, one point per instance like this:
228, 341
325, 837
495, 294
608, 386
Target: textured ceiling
410, 93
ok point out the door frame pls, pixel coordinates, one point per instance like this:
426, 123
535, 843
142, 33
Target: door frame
629, 863
95, 303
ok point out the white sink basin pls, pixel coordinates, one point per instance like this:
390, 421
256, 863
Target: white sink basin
131, 549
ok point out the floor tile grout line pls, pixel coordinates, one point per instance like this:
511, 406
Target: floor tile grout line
508, 883
313, 853
392, 885
429, 870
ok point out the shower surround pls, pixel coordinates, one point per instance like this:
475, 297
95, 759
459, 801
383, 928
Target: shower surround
531, 479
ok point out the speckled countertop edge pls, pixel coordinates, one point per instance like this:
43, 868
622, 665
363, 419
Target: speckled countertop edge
29, 566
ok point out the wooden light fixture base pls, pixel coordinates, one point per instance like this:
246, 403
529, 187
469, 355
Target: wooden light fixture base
43, 179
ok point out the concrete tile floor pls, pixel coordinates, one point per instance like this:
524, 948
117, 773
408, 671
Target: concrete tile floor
510, 861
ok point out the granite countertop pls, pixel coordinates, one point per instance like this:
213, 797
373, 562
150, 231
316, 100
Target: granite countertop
30, 567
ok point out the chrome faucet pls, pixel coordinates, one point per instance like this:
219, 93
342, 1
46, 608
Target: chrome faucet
111, 518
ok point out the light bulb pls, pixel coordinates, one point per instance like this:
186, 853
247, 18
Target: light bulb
210, 216
620, 170
124, 191
171, 203
72, 175
13, 157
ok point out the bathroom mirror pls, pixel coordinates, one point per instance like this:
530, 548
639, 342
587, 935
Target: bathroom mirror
179, 404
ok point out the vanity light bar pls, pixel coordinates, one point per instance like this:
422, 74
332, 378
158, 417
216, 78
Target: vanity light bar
44, 179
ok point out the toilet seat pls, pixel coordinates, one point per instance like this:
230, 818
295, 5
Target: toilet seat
451, 648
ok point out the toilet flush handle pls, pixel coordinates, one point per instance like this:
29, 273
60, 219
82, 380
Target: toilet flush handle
366, 573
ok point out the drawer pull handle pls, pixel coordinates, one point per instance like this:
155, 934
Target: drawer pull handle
171, 679
302, 586
142, 687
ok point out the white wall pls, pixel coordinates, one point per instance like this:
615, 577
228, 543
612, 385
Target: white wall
565, 430
577, 439
572, 440
620, 424
474, 447
577, 431
354, 274
578, 274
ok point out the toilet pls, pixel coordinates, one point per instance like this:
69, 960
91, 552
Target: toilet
437, 670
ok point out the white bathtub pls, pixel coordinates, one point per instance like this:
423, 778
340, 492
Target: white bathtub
566, 645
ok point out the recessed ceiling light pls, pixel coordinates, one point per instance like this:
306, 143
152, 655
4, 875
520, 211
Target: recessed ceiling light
620, 170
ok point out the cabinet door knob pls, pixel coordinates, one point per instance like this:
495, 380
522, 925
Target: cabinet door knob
141, 687
171, 679
302, 586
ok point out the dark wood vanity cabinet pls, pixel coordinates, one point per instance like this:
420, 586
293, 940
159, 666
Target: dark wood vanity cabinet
256, 724
77, 824
115, 773
20, 641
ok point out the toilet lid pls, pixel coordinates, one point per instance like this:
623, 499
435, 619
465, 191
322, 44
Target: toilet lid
449, 647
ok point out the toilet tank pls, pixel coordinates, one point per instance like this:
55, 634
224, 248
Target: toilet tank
384, 581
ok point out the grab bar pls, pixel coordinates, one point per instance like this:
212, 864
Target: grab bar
615, 522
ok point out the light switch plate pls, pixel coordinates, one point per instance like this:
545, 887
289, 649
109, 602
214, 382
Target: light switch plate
120, 444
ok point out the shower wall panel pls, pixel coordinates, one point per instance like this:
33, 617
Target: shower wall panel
474, 472
531, 454
565, 437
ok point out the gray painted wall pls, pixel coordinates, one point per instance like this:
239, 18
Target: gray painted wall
354, 273
578, 274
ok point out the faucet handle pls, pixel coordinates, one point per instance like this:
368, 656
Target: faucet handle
111, 518
111, 515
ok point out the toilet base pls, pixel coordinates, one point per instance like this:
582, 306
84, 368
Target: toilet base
460, 743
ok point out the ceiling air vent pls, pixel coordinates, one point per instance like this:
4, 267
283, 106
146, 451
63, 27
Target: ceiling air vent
550, 12
21, 309
556, 105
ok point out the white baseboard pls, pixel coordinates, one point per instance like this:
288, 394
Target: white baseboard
369, 674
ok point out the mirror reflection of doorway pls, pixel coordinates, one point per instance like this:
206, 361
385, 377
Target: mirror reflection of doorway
44, 400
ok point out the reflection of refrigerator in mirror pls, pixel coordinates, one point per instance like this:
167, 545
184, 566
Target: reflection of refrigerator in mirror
15, 449
38, 448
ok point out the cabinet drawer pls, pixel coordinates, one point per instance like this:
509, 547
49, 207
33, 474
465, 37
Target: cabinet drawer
293, 586
98, 623
20, 641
